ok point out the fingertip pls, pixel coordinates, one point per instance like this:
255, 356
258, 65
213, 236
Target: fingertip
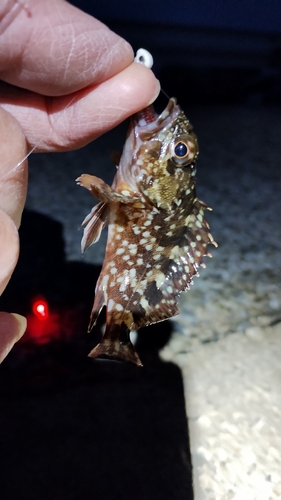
99, 109
12, 327
21, 325
139, 86
156, 92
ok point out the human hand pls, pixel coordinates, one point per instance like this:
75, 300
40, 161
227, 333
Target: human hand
66, 79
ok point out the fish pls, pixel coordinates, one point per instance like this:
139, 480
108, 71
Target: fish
157, 231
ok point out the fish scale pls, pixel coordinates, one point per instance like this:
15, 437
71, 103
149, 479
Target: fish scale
157, 235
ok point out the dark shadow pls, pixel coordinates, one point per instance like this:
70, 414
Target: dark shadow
76, 428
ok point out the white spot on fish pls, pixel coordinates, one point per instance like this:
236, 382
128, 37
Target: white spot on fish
105, 279
110, 304
123, 287
157, 256
160, 278
174, 252
144, 303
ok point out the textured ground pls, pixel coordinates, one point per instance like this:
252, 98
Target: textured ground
227, 338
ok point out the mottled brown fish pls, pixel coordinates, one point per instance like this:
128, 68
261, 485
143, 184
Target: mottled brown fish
157, 234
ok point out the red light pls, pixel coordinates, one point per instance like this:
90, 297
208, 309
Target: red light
40, 309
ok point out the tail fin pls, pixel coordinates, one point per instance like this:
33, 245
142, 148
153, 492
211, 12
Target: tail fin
116, 344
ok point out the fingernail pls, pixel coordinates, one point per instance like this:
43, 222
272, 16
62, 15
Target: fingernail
22, 324
156, 94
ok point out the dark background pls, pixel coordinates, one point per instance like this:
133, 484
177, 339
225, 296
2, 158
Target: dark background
76, 428
239, 15
205, 52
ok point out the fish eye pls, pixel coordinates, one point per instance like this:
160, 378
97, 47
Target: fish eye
184, 150
181, 150
180, 153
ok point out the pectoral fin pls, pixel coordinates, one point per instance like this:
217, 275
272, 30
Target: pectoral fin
93, 225
103, 191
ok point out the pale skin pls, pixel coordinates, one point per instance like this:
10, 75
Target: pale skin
66, 79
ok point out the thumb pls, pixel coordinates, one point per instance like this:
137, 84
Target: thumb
12, 196
12, 326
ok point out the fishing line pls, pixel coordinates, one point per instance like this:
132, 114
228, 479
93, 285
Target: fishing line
14, 169
165, 94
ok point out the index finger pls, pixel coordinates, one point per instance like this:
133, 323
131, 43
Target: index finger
52, 48
69, 122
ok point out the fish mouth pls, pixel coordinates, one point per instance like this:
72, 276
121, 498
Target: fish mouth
149, 122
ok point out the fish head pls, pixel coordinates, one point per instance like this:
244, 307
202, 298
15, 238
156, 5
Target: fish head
159, 156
